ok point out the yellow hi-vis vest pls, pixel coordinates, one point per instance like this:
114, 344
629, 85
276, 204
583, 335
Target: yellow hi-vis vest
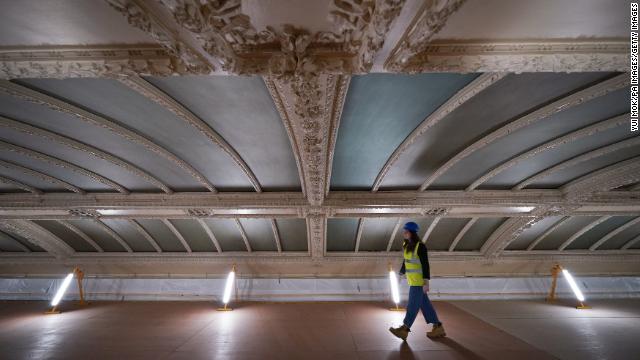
413, 267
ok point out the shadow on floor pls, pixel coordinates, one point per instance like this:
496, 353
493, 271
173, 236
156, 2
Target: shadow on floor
459, 348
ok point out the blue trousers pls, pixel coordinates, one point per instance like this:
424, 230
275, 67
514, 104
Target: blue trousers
418, 300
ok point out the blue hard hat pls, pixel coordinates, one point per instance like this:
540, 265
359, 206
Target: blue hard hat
411, 226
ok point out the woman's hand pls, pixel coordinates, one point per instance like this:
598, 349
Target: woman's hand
425, 287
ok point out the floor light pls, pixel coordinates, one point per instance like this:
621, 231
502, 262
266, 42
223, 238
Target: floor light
227, 289
61, 290
395, 293
575, 289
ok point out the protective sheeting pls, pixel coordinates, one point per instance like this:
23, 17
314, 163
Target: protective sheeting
320, 289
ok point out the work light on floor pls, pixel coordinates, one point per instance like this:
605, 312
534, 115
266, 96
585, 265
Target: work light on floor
395, 293
227, 289
575, 288
61, 290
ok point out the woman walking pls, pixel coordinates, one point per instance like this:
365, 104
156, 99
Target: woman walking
416, 267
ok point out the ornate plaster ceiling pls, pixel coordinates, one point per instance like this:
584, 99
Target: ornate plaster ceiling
294, 138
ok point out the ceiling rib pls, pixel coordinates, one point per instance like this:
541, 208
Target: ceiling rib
39, 236
113, 234
146, 235
41, 176
87, 149
579, 159
621, 173
276, 234
432, 226
243, 234
393, 234
474, 88
210, 234
630, 243
153, 93
359, 233
80, 233
583, 231
37, 97
25, 187
177, 233
537, 240
565, 103
550, 145
613, 233
63, 164
17, 242
461, 234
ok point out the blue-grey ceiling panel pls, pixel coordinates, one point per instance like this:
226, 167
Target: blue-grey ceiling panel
444, 233
478, 163
532, 233
478, 234
619, 240
66, 235
592, 236
376, 233
167, 241
10, 244
341, 234
31, 246
194, 235
97, 234
260, 234
380, 111
33, 181
128, 232
240, 109
227, 233
564, 176
74, 178
549, 158
79, 158
564, 232
104, 139
504, 101
293, 234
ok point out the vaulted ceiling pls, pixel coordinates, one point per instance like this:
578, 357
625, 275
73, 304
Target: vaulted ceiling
295, 138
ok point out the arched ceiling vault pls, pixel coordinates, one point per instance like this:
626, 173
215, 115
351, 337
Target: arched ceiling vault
181, 136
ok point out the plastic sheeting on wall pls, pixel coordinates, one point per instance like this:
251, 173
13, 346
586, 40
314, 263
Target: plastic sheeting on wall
313, 289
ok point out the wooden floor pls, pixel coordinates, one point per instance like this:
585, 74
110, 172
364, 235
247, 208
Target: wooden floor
194, 330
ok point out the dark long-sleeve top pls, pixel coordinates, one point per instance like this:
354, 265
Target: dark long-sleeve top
424, 261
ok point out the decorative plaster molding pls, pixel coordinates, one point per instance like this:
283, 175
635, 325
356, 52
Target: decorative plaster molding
87, 149
156, 95
429, 20
276, 234
42, 176
559, 141
465, 94
432, 226
245, 239
38, 236
580, 97
87, 61
359, 233
25, 187
36, 97
317, 236
309, 120
583, 231
393, 234
210, 234
84, 213
521, 56
186, 59
630, 243
63, 164
81, 234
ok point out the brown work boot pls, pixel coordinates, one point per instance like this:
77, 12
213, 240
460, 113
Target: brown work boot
436, 332
402, 332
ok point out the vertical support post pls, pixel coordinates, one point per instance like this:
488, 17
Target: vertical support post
555, 271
